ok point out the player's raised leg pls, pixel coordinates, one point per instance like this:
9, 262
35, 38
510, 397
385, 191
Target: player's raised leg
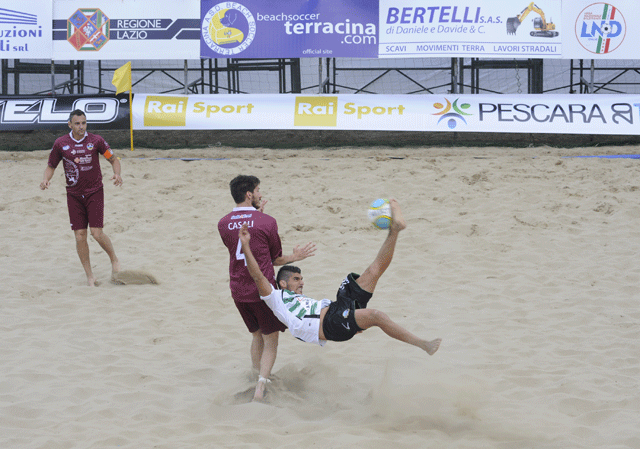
366, 318
368, 280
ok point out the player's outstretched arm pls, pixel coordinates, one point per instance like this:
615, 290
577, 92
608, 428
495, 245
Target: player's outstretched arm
299, 253
264, 287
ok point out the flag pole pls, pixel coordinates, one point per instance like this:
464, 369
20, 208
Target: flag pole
131, 118
122, 82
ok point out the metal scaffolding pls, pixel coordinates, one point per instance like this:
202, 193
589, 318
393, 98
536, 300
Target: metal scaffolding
334, 75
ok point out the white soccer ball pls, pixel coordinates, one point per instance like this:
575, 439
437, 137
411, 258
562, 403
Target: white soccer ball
380, 213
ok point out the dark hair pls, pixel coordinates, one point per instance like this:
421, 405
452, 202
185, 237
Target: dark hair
285, 272
242, 184
78, 112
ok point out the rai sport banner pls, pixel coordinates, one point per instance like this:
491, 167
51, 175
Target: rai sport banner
540, 113
291, 29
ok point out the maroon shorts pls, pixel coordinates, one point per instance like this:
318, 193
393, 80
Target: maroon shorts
258, 316
86, 210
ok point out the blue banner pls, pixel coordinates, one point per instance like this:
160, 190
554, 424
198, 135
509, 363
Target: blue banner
289, 29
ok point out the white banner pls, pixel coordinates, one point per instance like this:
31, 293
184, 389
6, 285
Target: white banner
25, 30
148, 29
472, 29
561, 114
601, 30
135, 29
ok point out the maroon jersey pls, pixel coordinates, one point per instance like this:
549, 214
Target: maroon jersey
80, 161
265, 246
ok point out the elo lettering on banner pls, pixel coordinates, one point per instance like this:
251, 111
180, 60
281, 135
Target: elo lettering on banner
36, 112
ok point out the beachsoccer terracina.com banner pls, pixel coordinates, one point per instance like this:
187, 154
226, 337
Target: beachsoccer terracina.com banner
564, 114
291, 29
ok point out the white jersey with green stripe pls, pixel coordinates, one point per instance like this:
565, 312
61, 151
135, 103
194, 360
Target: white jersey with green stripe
298, 312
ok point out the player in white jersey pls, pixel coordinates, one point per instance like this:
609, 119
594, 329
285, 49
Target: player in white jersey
298, 312
339, 320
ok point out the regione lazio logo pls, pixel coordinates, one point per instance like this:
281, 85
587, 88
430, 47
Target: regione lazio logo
88, 29
316, 111
600, 28
452, 112
228, 28
165, 111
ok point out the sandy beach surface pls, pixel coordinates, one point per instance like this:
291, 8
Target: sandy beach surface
524, 261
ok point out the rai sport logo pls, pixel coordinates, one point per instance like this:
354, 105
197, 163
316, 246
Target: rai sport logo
88, 29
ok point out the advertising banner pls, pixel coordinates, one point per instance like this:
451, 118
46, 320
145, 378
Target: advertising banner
25, 31
562, 114
33, 113
472, 29
135, 29
291, 29
600, 30
255, 29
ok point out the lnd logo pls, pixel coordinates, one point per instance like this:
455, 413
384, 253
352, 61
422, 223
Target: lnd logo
600, 28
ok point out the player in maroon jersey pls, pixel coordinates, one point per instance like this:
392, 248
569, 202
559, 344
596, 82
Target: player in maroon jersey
267, 249
79, 152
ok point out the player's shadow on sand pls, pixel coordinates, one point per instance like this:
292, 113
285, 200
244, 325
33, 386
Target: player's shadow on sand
133, 277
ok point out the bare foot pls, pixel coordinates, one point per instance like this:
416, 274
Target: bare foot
92, 282
260, 389
115, 268
397, 222
431, 346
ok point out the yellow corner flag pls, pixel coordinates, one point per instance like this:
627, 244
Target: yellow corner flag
122, 78
122, 81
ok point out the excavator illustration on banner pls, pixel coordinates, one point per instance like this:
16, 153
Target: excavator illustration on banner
542, 28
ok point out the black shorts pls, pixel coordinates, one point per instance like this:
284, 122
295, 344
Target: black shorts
340, 320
